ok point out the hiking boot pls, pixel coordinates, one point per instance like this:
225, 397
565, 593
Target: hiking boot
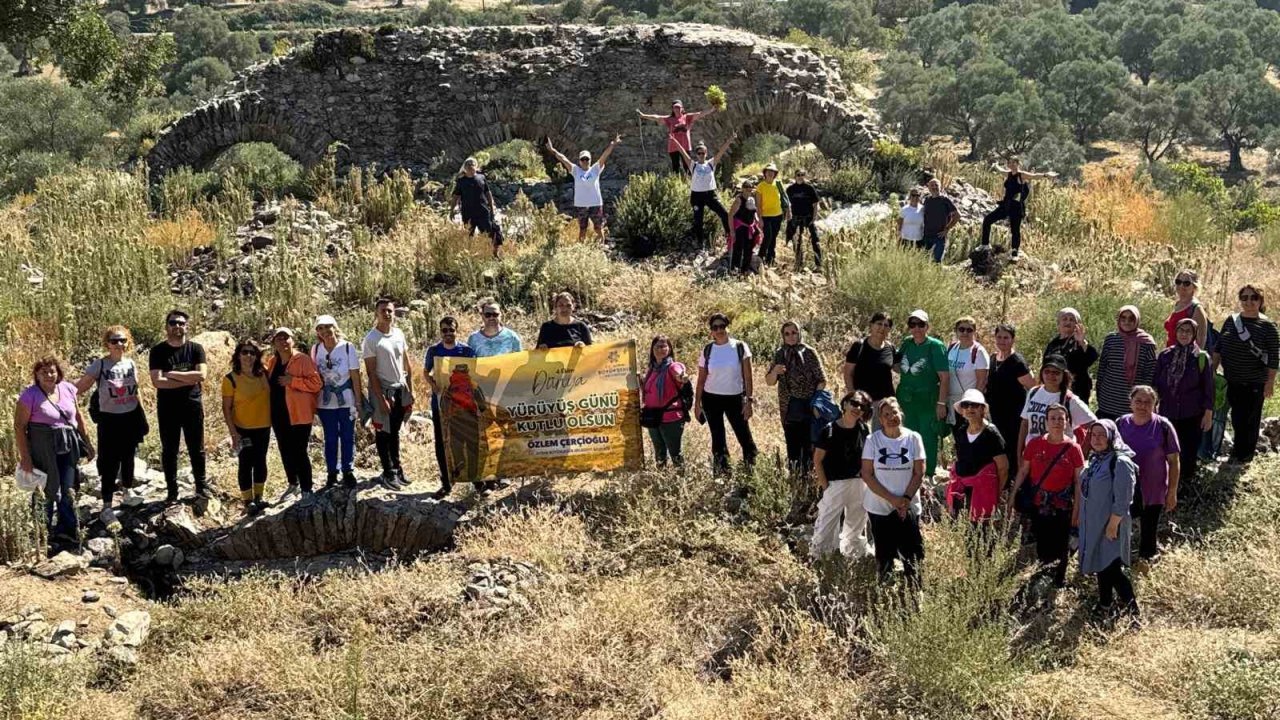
202, 490
171, 497
348, 479
404, 481
291, 490
390, 481
308, 499
331, 479
1014, 256
443, 492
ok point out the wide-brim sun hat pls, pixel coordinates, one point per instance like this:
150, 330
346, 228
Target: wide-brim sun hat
972, 395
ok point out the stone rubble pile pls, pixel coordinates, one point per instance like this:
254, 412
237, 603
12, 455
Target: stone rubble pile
61, 640
494, 586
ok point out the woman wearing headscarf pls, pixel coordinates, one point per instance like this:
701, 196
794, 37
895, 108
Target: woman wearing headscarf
797, 371
1154, 443
1248, 351
1106, 492
1128, 358
1073, 346
1185, 385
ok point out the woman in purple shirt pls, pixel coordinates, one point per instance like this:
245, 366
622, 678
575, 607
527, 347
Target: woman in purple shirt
1154, 442
1184, 381
48, 431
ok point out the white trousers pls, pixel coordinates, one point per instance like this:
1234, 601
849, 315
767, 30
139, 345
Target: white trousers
842, 497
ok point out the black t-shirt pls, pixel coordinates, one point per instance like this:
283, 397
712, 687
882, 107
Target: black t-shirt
279, 410
554, 335
1005, 395
474, 193
844, 450
1016, 191
971, 457
937, 208
804, 198
873, 371
183, 358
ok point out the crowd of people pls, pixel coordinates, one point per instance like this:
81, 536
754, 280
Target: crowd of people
1025, 444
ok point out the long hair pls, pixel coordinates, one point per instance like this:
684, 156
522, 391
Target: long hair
653, 361
257, 368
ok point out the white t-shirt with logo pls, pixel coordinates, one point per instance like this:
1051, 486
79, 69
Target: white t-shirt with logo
964, 364
389, 351
1039, 400
893, 460
704, 177
117, 385
912, 222
724, 372
586, 186
335, 370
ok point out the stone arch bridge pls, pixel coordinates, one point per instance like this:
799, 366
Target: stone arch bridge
417, 98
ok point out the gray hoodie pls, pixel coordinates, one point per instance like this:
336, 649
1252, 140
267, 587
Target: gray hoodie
1106, 489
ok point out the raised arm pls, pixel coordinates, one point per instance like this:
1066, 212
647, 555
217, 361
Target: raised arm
688, 161
645, 116
723, 149
609, 150
564, 161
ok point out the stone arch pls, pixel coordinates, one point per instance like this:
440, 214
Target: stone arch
410, 98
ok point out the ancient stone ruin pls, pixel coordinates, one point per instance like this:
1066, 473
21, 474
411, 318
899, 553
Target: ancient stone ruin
415, 98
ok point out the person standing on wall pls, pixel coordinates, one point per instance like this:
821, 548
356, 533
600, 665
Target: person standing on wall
178, 368
386, 362
339, 366
702, 187
775, 207
678, 124
295, 387
588, 202
246, 409
479, 211
114, 407
804, 201
1013, 206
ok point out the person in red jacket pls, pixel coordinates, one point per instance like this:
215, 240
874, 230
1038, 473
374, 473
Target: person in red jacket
295, 388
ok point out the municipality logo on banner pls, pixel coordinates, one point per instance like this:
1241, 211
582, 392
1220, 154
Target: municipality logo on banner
542, 412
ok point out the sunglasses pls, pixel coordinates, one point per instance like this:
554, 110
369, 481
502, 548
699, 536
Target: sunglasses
1183, 283
964, 329
177, 323
718, 326
117, 341
1250, 298
489, 314
860, 407
916, 324
970, 405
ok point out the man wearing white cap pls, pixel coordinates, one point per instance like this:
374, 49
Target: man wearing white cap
588, 202
339, 364
923, 384
294, 386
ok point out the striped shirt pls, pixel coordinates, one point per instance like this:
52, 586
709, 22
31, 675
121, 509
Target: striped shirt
1239, 364
1113, 390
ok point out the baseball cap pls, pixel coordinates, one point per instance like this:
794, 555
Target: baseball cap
281, 331
325, 320
919, 314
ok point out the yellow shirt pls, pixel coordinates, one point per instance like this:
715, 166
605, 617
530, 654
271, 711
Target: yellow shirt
770, 199
250, 401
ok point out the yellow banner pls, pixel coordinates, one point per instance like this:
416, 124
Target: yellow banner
543, 412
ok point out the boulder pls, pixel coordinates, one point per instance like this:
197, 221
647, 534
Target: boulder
62, 565
129, 629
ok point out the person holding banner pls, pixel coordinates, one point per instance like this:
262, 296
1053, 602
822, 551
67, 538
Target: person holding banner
662, 413
465, 413
563, 330
447, 347
493, 338
726, 391
386, 360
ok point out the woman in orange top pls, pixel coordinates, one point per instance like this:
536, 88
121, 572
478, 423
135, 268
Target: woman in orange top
295, 388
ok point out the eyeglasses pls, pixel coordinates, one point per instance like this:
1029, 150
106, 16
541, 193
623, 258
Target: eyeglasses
1183, 283
964, 329
916, 324
177, 323
970, 405
117, 341
718, 326
489, 314
1250, 298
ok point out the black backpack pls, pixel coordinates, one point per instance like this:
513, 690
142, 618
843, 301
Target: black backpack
95, 404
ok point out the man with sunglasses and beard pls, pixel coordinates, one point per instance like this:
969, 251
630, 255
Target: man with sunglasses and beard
447, 347
178, 368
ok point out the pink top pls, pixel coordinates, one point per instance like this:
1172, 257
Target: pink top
671, 390
44, 412
678, 131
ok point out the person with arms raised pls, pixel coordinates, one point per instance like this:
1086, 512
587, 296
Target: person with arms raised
678, 125
702, 187
588, 202
1013, 206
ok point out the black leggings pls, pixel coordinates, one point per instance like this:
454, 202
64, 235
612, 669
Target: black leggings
388, 438
292, 440
180, 420
801, 224
1189, 437
701, 200
117, 445
677, 162
740, 259
251, 465
1246, 418
1113, 581
718, 408
1011, 212
1148, 526
896, 536
1053, 541
769, 247
799, 446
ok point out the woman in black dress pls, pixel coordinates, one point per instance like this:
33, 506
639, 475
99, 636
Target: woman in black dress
1007, 385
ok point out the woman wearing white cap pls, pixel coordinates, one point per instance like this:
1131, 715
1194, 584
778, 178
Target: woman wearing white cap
924, 382
294, 388
588, 203
775, 207
338, 362
981, 468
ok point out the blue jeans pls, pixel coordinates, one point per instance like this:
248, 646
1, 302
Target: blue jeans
338, 426
935, 244
60, 498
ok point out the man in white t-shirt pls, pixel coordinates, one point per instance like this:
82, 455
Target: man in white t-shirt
386, 359
911, 219
725, 391
588, 202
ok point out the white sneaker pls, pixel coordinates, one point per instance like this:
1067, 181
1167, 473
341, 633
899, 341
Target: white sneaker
1014, 256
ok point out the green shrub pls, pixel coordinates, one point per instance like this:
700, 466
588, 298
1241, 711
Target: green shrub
32, 688
653, 215
1192, 222
1183, 177
265, 170
1258, 214
896, 166
853, 182
19, 173
512, 162
22, 526
1245, 686
873, 274
1060, 154
1269, 239
580, 268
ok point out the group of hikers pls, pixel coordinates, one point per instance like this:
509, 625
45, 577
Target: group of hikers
754, 220
1025, 444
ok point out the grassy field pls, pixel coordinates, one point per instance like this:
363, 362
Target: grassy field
656, 595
